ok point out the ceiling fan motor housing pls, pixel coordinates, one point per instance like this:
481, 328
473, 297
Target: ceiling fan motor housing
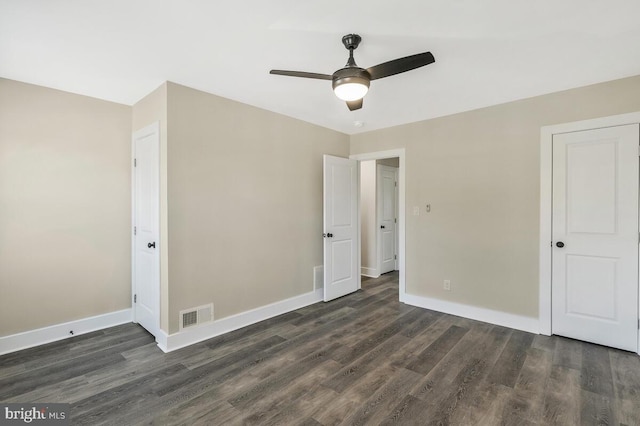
351, 75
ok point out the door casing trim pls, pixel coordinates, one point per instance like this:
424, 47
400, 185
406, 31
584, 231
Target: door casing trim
546, 208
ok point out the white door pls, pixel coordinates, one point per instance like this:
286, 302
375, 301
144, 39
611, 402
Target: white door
386, 187
146, 222
340, 216
595, 236
397, 226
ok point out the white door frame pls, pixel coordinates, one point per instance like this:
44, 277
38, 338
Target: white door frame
546, 208
153, 128
379, 155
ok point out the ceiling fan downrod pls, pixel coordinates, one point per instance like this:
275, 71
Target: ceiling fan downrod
351, 42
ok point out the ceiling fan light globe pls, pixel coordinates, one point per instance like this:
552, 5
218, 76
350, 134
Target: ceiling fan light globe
351, 91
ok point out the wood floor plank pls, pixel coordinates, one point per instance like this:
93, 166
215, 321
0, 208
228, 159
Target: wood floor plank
385, 399
279, 380
596, 370
220, 364
568, 353
628, 412
426, 319
432, 355
625, 369
409, 411
340, 362
276, 408
626, 374
345, 403
596, 409
450, 387
562, 398
460, 393
421, 341
545, 343
527, 402
379, 336
485, 407
508, 367
350, 373
31, 380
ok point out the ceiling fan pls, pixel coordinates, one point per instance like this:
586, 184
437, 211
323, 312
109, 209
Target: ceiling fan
351, 83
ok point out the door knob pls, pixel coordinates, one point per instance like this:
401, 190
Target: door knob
559, 244
381, 226
153, 244
330, 235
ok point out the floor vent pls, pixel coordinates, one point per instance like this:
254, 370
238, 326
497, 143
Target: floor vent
196, 316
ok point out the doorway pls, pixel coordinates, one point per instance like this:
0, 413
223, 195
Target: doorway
378, 216
400, 236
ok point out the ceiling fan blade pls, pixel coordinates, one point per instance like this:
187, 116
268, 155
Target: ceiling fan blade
399, 65
354, 105
302, 74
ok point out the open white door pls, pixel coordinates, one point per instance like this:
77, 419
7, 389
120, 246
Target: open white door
340, 212
146, 222
595, 236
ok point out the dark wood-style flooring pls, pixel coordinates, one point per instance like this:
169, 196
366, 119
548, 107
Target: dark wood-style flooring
361, 359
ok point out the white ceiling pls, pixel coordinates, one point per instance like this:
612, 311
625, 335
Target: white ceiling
487, 52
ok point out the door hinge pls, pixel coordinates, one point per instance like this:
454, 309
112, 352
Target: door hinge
135, 298
395, 220
395, 257
135, 230
135, 162
395, 183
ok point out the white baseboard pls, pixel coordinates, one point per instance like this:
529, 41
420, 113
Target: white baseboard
188, 337
369, 272
529, 324
41, 336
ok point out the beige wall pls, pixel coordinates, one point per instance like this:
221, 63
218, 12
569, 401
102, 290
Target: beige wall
241, 200
64, 207
245, 203
479, 170
153, 108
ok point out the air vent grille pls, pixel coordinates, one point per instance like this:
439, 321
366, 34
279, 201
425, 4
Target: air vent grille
196, 316
189, 319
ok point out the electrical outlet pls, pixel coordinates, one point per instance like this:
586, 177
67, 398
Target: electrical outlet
447, 285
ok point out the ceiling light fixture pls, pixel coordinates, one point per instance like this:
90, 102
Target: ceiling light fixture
351, 87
